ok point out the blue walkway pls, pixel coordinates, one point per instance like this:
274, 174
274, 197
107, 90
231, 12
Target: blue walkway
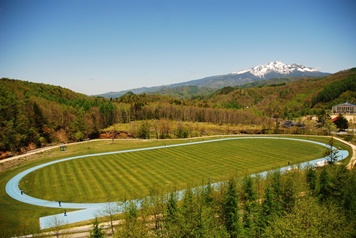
89, 211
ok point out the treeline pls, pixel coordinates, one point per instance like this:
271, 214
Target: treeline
312, 203
33, 115
180, 111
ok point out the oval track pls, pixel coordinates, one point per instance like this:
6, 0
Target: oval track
93, 209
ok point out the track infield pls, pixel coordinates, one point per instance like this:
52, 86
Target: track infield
132, 174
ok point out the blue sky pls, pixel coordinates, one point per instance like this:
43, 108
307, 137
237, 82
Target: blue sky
93, 46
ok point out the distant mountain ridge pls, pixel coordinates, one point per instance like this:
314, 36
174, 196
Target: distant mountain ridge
270, 70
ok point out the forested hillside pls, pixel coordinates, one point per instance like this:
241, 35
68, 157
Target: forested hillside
33, 115
309, 96
339, 91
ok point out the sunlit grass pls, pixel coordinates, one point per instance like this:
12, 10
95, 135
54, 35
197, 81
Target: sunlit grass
132, 175
18, 217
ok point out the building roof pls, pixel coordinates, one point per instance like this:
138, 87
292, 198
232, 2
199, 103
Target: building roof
346, 104
335, 119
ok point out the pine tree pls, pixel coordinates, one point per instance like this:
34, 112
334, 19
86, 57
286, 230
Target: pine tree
189, 216
325, 186
350, 195
171, 216
231, 210
271, 205
171, 212
312, 178
289, 190
310, 219
133, 226
208, 194
340, 177
97, 231
249, 205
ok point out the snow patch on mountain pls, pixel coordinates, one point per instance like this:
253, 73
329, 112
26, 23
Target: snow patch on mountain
267, 71
276, 67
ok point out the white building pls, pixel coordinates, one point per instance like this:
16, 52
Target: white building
344, 108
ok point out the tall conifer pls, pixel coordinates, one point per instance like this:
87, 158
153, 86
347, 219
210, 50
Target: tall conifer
231, 210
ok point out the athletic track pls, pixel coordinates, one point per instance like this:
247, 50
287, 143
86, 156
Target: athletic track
88, 211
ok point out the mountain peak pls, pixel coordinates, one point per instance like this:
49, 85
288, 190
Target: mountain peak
276, 67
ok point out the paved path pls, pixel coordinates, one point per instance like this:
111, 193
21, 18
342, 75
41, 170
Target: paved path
352, 162
88, 211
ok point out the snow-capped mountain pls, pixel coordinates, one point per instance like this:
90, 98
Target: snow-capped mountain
267, 71
278, 67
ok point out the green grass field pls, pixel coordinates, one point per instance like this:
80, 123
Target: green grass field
132, 175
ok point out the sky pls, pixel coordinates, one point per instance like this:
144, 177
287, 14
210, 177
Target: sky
99, 46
